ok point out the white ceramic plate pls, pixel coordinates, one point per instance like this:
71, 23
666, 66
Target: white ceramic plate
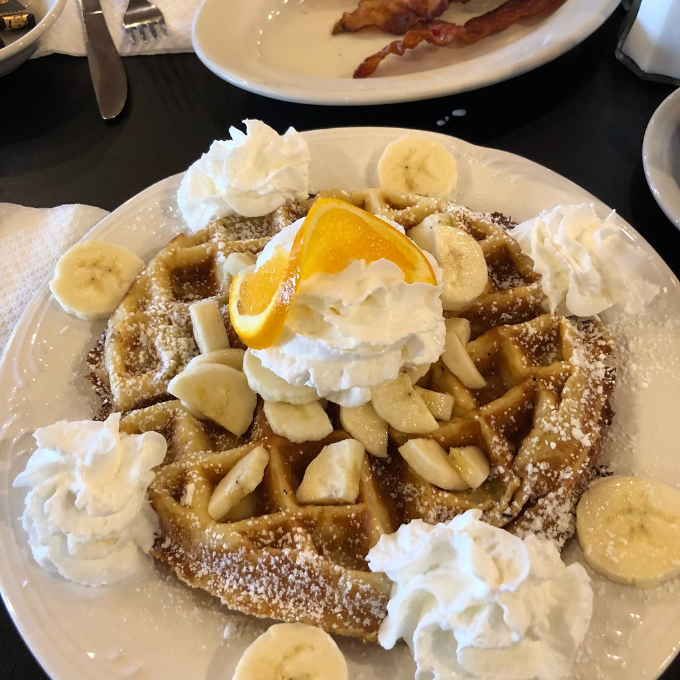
284, 49
153, 627
661, 156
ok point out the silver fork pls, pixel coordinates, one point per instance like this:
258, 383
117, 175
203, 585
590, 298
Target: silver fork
141, 16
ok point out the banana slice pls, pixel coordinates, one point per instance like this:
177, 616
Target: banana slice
241, 480
366, 426
228, 357
430, 461
273, 388
439, 404
462, 261
421, 234
458, 254
629, 530
471, 464
455, 356
417, 372
246, 508
298, 422
237, 262
288, 651
398, 403
196, 414
91, 278
332, 478
209, 331
417, 165
219, 392
459, 327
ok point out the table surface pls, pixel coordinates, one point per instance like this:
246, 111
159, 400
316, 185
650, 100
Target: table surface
583, 115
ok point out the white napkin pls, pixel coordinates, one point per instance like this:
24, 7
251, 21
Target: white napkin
31, 242
67, 36
650, 40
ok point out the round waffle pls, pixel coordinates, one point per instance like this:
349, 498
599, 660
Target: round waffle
538, 421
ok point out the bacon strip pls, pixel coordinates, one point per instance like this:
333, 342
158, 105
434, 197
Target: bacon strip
392, 16
442, 33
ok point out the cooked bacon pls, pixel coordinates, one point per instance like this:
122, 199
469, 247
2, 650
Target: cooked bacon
392, 16
442, 33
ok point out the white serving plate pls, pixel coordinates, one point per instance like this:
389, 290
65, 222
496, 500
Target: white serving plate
661, 156
154, 628
284, 49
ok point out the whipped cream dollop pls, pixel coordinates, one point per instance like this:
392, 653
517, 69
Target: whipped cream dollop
474, 601
587, 264
349, 331
87, 514
251, 174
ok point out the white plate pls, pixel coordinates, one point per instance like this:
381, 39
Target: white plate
284, 49
661, 156
154, 628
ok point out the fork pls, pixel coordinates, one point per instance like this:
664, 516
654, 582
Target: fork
141, 15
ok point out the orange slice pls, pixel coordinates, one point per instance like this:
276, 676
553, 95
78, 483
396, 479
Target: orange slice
333, 234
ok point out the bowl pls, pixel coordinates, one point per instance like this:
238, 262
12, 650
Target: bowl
21, 45
661, 156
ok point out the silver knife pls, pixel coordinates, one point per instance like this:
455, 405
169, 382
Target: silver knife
106, 66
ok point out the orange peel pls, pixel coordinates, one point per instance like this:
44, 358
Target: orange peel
333, 234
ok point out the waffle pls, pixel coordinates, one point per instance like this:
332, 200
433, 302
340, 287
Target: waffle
279, 559
149, 338
513, 293
538, 420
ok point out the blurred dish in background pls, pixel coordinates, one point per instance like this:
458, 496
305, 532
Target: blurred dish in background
14, 16
661, 156
286, 50
20, 45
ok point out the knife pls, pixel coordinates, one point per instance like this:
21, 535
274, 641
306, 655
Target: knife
106, 67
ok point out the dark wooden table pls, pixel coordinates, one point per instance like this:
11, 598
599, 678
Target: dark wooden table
583, 116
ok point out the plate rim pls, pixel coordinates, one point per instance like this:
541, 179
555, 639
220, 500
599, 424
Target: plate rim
657, 172
349, 92
19, 617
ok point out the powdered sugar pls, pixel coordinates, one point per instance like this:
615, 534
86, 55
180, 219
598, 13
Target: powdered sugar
648, 391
